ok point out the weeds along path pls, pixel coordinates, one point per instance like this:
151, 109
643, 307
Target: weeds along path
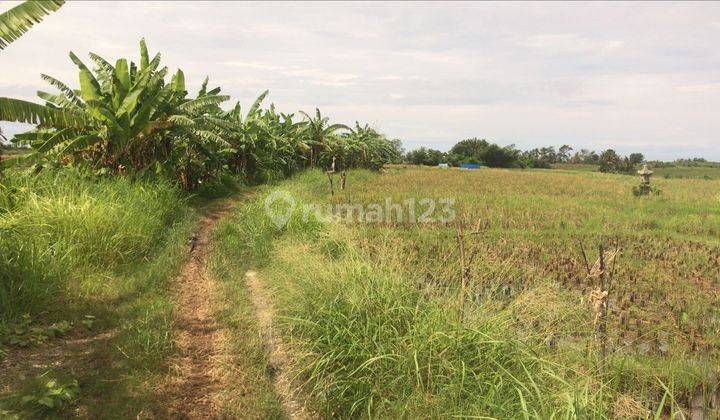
275, 348
194, 379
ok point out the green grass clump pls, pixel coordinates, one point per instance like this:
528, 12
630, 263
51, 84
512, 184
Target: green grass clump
370, 343
58, 227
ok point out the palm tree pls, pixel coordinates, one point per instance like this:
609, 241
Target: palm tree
318, 132
18, 20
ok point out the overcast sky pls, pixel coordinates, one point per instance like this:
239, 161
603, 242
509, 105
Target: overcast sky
635, 77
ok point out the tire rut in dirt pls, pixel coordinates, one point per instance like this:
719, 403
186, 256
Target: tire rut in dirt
278, 356
194, 380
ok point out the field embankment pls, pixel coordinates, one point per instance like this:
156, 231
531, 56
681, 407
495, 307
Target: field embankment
376, 326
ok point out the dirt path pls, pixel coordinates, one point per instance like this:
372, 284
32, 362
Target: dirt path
275, 348
194, 380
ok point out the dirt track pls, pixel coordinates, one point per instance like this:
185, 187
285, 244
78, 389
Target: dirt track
194, 381
275, 349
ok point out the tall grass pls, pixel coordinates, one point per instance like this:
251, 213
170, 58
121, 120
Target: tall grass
57, 227
372, 344
248, 390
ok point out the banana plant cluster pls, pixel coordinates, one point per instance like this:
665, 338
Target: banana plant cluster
365, 147
266, 144
127, 117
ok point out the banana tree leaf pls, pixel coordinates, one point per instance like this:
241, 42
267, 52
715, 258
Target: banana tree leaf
32, 113
122, 77
178, 81
202, 102
256, 105
141, 118
181, 120
55, 139
18, 20
144, 60
62, 87
129, 103
79, 143
89, 87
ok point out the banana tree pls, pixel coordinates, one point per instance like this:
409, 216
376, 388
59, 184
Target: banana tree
290, 146
197, 145
265, 143
18, 20
247, 135
318, 131
369, 148
123, 116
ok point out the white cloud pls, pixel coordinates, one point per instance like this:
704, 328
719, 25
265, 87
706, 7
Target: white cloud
629, 76
251, 65
571, 43
700, 88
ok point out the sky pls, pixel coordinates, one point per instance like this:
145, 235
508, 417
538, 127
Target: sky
636, 77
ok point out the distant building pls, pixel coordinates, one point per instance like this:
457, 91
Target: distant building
469, 166
443, 165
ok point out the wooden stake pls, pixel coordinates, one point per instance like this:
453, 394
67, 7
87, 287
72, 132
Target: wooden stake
342, 180
463, 270
602, 327
329, 174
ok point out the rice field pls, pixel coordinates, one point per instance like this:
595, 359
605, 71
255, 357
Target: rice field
404, 319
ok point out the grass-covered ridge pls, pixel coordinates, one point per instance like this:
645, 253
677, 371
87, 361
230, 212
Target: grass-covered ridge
372, 310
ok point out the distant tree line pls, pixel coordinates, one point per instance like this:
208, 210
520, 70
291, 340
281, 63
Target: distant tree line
695, 162
481, 151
